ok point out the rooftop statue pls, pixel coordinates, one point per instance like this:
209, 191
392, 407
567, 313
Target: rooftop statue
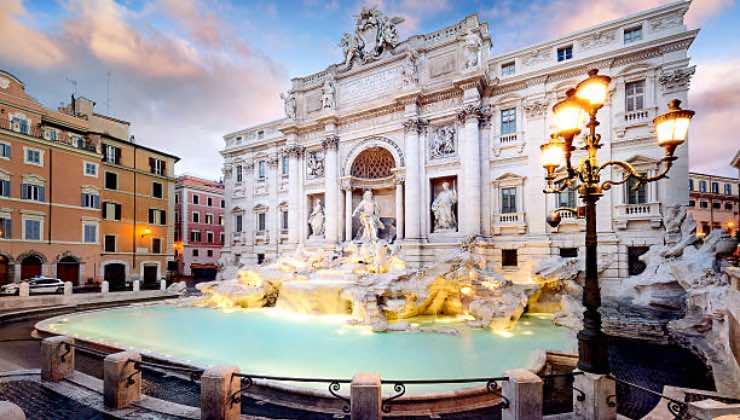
374, 34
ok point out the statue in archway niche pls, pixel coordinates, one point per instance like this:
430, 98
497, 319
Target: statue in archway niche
369, 216
444, 215
316, 219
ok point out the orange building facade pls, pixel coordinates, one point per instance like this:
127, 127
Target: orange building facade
714, 202
58, 203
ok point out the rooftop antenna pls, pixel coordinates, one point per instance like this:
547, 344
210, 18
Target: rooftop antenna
107, 93
74, 83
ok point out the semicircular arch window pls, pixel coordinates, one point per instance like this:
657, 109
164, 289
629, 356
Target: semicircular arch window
373, 163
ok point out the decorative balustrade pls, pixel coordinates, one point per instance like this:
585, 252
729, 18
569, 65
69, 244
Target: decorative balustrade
635, 117
510, 218
506, 139
638, 211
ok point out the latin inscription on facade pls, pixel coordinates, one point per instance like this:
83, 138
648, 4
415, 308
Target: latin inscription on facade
369, 87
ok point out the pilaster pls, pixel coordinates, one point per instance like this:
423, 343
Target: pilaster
331, 188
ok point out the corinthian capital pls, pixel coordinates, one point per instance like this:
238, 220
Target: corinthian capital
294, 150
330, 142
469, 111
418, 124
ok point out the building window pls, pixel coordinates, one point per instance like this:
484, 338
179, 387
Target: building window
33, 157
5, 187
112, 211
32, 229
567, 199
729, 206
705, 228
156, 246
196, 217
692, 203
716, 205
90, 169
565, 53
50, 134
223, 204
221, 237
635, 195
702, 186
90, 200
20, 125
157, 217
209, 237
5, 150
209, 219
238, 222
110, 243
157, 166
32, 192
284, 220
634, 95
177, 198
6, 227
221, 219
691, 185
209, 201
703, 205
728, 189
508, 69
508, 121
196, 199
111, 154
261, 222
195, 253
632, 34
111, 181
569, 252
715, 187
634, 265
509, 258
239, 175
508, 200
260, 258
261, 169
209, 253
90, 233
156, 190
195, 236
285, 165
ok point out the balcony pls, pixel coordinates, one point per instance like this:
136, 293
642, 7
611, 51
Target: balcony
636, 117
625, 213
262, 237
62, 137
508, 141
509, 223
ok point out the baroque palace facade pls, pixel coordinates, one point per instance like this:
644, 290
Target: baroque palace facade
447, 139
79, 199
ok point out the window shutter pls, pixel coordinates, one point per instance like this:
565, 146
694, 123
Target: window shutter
24, 191
151, 216
118, 155
151, 164
8, 228
164, 217
41, 194
118, 212
82, 200
105, 210
96, 201
104, 149
164, 168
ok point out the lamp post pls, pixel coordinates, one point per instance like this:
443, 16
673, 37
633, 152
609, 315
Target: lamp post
581, 103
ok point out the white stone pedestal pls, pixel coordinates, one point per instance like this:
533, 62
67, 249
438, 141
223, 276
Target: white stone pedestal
137, 286
597, 389
104, 286
67, 288
217, 386
23, 289
121, 379
57, 358
524, 392
365, 396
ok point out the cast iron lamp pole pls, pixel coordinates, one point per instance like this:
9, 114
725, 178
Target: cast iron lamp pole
588, 97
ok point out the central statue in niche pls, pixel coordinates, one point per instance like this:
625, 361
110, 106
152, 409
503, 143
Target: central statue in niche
369, 216
444, 214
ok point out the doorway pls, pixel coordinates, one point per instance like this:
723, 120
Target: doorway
31, 267
68, 269
115, 275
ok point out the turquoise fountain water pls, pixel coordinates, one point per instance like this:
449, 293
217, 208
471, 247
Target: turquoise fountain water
270, 342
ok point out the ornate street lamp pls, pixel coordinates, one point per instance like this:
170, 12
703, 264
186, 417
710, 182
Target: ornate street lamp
569, 114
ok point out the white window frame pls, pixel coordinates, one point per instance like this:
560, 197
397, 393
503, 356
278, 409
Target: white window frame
115, 242
10, 148
206, 219
158, 166
84, 169
118, 181
34, 218
97, 231
630, 30
161, 188
27, 149
196, 232
161, 243
506, 65
211, 235
193, 217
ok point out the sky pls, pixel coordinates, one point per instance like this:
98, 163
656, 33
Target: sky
186, 72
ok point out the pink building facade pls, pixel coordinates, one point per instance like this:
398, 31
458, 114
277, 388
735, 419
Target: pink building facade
199, 226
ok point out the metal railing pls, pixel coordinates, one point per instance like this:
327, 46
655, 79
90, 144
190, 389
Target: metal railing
399, 387
679, 409
334, 385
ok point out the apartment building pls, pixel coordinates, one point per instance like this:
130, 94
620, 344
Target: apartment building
714, 202
199, 226
79, 198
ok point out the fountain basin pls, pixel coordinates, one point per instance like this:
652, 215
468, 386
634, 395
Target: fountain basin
268, 341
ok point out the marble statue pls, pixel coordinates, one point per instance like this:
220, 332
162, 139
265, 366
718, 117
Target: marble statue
315, 165
471, 51
410, 70
444, 214
289, 102
328, 92
374, 34
443, 143
369, 216
316, 219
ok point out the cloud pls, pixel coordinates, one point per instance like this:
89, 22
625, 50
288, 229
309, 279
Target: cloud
715, 96
23, 45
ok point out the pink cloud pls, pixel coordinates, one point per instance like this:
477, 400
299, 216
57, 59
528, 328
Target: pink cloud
22, 45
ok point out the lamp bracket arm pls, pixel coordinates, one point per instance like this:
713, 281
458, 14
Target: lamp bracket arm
630, 172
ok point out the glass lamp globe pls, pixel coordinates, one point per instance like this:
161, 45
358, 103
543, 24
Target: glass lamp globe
594, 90
553, 154
672, 127
568, 115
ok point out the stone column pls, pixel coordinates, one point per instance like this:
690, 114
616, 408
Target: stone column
412, 202
485, 170
366, 397
399, 208
331, 189
121, 379
597, 389
470, 191
217, 387
347, 187
57, 358
524, 392
294, 152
